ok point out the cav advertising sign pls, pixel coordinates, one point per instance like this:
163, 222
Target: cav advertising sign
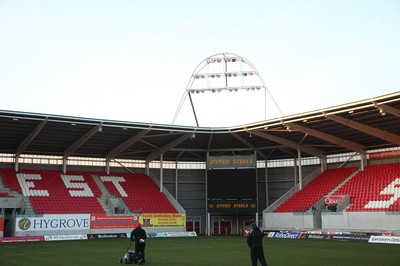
334, 200
53, 222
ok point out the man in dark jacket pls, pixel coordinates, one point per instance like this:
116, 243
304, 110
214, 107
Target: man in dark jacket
254, 241
139, 235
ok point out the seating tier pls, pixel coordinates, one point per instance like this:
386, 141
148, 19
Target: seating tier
377, 188
51, 192
76, 192
139, 192
315, 190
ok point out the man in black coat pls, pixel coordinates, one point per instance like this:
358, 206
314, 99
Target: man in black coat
139, 235
254, 241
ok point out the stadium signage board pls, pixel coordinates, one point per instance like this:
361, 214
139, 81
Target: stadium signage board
341, 237
232, 206
53, 222
15, 239
106, 236
102, 221
334, 200
385, 239
384, 154
65, 237
1, 225
288, 235
158, 220
229, 162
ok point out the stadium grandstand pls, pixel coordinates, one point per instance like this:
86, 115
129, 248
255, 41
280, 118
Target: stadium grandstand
336, 168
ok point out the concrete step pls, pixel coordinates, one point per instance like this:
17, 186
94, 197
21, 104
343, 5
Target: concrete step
342, 183
100, 184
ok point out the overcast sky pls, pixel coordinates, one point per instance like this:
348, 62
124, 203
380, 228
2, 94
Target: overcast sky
132, 60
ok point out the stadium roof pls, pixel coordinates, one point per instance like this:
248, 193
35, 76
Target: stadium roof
354, 127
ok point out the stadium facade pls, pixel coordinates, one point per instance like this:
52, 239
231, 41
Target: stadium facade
289, 153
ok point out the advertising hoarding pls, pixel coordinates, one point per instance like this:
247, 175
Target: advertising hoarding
53, 222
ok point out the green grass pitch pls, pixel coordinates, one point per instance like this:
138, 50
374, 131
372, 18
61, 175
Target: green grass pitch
219, 251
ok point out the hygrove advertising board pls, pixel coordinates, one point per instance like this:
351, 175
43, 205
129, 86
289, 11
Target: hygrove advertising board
53, 222
175, 220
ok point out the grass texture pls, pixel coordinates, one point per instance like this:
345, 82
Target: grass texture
215, 250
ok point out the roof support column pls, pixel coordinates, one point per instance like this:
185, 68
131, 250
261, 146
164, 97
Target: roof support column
266, 184
300, 173
147, 168
295, 170
324, 165
107, 166
16, 163
161, 171
363, 159
176, 180
64, 166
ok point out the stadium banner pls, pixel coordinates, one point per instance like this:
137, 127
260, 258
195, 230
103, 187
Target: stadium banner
172, 234
65, 237
289, 235
167, 234
243, 161
155, 220
229, 206
102, 221
341, 237
385, 239
106, 236
384, 154
15, 239
1, 226
334, 200
53, 222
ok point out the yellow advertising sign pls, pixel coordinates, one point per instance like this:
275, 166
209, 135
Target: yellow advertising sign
155, 220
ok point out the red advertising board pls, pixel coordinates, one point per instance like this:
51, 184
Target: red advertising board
384, 154
15, 239
102, 221
334, 200
1, 224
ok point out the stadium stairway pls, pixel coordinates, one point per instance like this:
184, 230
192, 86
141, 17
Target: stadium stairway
14, 194
341, 184
104, 192
139, 192
110, 203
